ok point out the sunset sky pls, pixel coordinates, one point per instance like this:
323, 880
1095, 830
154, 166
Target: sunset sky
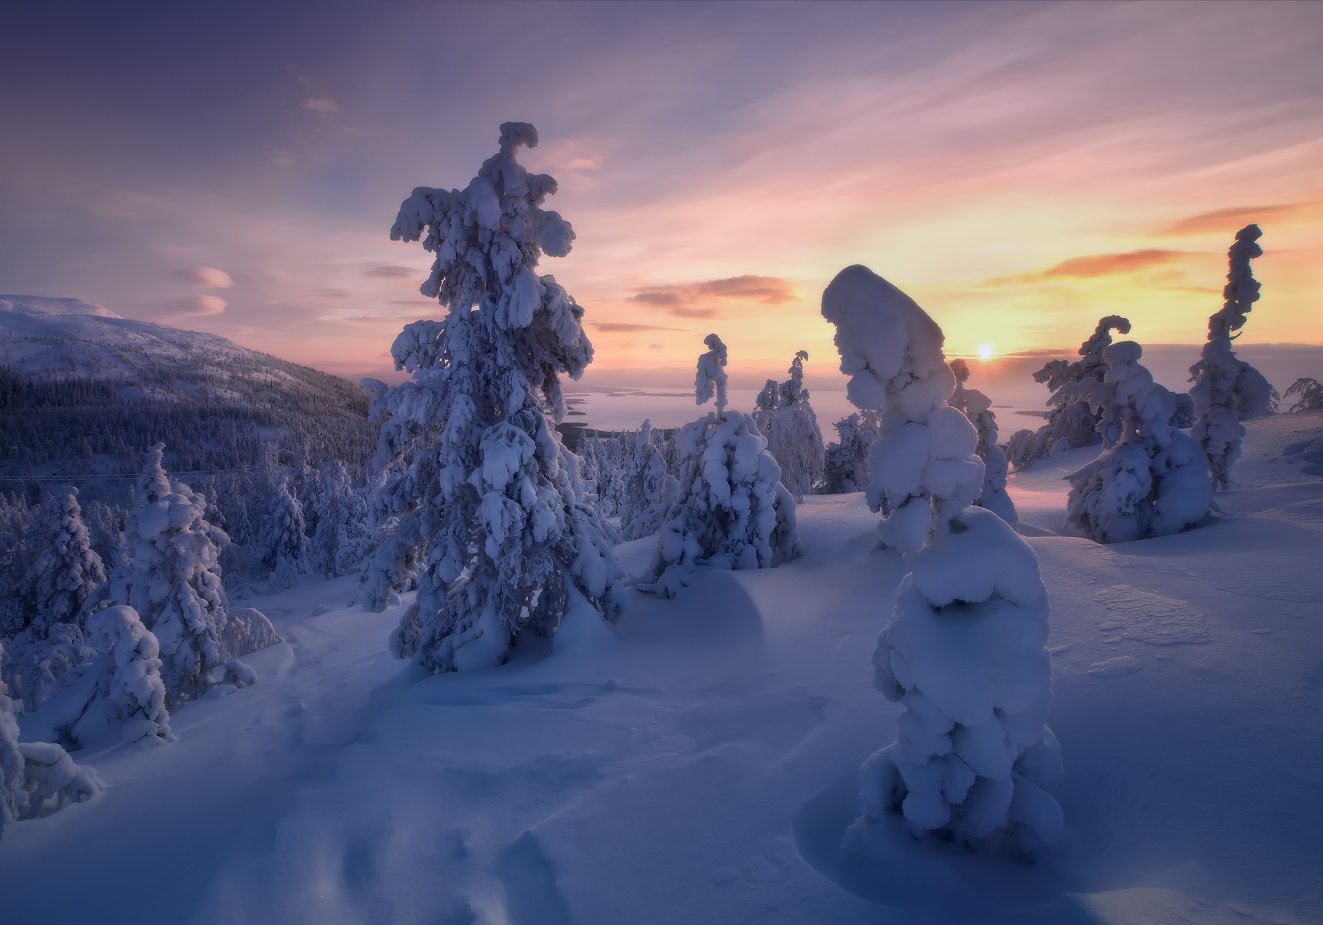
1021, 169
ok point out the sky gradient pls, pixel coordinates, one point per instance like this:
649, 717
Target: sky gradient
1020, 169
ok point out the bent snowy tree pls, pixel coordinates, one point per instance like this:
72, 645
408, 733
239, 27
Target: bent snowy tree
1228, 390
732, 511
965, 650
474, 470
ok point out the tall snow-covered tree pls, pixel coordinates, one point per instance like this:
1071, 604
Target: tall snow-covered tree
977, 407
284, 541
174, 582
337, 544
1228, 390
13, 798
1153, 480
732, 510
1071, 422
791, 428
649, 488
66, 571
475, 468
964, 652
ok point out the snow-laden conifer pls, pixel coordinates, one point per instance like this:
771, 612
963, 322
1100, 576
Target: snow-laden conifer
977, 407
846, 467
284, 542
649, 488
965, 650
174, 581
793, 437
126, 701
732, 510
474, 467
1307, 394
1153, 478
13, 798
337, 544
1072, 421
66, 571
38, 669
1227, 390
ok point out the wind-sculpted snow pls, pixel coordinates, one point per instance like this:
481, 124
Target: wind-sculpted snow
1227, 390
965, 651
1152, 479
732, 511
470, 465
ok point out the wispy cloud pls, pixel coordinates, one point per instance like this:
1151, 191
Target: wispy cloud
1127, 262
323, 104
1231, 220
681, 299
205, 276
622, 327
389, 271
192, 306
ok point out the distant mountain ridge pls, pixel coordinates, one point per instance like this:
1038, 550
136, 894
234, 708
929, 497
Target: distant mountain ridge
77, 380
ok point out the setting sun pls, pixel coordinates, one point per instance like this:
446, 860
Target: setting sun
986, 351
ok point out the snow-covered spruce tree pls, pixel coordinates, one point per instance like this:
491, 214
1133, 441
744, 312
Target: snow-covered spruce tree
284, 542
174, 582
66, 571
1227, 390
1154, 479
649, 489
13, 798
1071, 422
977, 407
846, 467
337, 544
965, 650
127, 700
732, 511
793, 436
501, 513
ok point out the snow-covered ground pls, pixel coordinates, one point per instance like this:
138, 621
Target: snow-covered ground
698, 762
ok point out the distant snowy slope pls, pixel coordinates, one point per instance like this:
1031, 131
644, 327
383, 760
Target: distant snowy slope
74, 371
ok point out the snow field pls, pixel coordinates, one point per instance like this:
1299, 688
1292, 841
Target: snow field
699, 761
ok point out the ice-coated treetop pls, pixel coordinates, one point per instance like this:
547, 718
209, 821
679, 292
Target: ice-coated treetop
1242, 289
712, 374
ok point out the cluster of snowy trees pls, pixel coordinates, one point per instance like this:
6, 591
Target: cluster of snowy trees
785, 417
109, 656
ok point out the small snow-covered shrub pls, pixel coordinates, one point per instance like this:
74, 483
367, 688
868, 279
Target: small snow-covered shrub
732, 511
1072, 421
38, 669
964, 652
1153, 479
1227, 390
473, 467
977, 407
127, 697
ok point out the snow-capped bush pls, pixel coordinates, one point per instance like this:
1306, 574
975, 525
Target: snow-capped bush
1226, 390
37, 669
649, 488
965, 650
474, 467
36, 778
846, 466
732, 511
1308, 395
1153, 479
66, 571
174, 582
794, 439
977, 407
126, 700
1072, 421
